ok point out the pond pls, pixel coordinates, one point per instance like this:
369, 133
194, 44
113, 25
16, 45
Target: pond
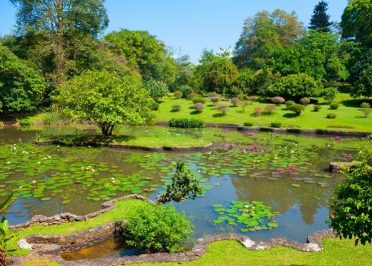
288, 173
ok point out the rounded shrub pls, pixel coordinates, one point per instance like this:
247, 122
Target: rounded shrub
185, 123
157, 228
365, 105
214, 99
257, 111
154, 106
289, 103
305, 101
278, 100
316, 108
223, 108
269, 109
178, 94
331, 116
296, 108
330, 94
366, 109
235, 101
276, 124
186, 90
198, 99
334, 106
199, 107
176, 108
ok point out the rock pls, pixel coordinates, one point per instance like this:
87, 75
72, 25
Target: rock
23, 244
38, 218
336, 166
312, 247
248, 243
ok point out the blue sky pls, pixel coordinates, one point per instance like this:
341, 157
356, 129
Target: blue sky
189, 26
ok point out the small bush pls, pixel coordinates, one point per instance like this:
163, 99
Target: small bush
223, 108
257, 111
243, 105
248, 124
334, 106
178, 94
24, 122
214, 99
305, 101
157, 228
316, 108
235, 101
185, 123
278, 100
330, 94
296, 108
269, 109
276, 124
186, 90
252, 98
331, 116
289, 103
243, 97
154, 106
176, 108
199, 107
198, 99
366, 109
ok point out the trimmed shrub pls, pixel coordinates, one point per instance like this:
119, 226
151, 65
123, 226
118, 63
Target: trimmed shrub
366, 109
24, 122
276, 124
278, 100
178, 94
331, 116
329, 94
334, 106
235, 101
289, 103
305, 101
176, 108
316, 108
199, 107
248, 124
154, 106
214, 99
198, 99
186, 91
185, 123
269, 109
296, 108
157, 228
223, 108
257, 111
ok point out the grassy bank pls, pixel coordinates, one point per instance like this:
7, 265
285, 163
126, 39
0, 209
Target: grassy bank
122, 210
336, 252
348, 115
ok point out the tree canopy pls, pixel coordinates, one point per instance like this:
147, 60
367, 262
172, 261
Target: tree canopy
21, 86
320, 18
105, 98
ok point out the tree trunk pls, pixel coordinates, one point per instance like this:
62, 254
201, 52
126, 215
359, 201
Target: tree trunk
2, 257
59, 52
106, 129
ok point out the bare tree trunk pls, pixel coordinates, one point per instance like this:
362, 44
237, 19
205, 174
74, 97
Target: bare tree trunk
59, 52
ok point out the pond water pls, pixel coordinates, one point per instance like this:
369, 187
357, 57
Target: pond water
289, 174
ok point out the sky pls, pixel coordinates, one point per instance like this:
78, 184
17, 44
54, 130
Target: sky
190, 26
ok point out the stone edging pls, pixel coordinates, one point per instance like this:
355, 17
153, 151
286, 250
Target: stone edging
299, 131
54, 245
129, 147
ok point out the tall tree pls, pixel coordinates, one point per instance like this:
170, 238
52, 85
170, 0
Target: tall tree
62, 24
263, 34
320, 18
356, 22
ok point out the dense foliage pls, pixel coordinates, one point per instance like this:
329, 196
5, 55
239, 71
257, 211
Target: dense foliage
320, 18
21, 86
157, 228
104, 98
295, 86
352, 209
185, 123
4, 229
184, 184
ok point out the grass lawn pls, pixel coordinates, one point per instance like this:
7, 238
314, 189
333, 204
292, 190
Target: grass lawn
123, 208
348, 117
336, 252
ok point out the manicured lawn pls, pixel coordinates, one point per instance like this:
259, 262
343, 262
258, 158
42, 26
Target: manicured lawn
336, 252
348, 117
123, 208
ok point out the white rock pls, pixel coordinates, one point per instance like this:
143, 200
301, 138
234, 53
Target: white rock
313, 247
23, 244
248, 243
261, 247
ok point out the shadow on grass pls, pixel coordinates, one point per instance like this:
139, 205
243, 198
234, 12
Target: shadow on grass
290, 115
356, 102
218, 115
195, 112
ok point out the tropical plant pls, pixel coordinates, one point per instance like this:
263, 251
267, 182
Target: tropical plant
184, 184
155, 228
351, 212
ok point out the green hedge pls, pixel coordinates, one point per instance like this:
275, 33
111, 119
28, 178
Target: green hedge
185, 123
